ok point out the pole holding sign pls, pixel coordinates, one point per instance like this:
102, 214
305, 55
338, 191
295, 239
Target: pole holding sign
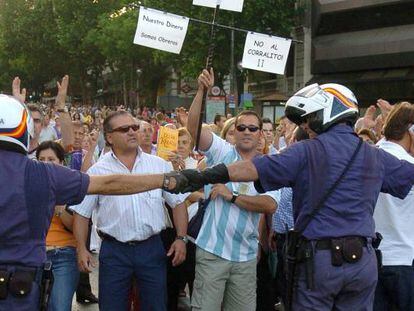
266, 53
230, 5
161, 30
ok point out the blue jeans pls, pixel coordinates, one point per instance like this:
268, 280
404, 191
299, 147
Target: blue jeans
395, 289
66, 275
119, 262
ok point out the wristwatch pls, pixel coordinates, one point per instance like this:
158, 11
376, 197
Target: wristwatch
235, 196
182, 238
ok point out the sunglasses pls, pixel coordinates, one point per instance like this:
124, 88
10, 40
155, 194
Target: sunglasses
125, 129
252, 128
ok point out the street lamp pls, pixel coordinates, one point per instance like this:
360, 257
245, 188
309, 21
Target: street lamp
139, 72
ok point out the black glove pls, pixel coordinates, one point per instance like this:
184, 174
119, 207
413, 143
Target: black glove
214, 175
181, 182
218, 174
193, 180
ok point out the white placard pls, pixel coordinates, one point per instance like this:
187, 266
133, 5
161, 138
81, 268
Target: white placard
266, 53
230, 5
160, 30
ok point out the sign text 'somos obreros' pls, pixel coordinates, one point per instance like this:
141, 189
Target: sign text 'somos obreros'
159, 30
166, 32
266, 53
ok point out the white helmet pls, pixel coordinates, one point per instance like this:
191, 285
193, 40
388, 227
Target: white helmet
323, 106
16, 124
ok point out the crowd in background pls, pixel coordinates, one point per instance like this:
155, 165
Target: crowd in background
76, 137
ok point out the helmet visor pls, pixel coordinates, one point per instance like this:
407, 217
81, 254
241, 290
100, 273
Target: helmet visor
309, 91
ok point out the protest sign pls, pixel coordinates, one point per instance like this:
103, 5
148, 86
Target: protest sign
266, 53
215, 105
230, 5
161, 30
167, 142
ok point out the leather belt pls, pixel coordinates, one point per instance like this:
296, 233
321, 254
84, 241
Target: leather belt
327, 243
108, 237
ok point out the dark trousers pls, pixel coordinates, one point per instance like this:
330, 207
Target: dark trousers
178, 277
395, 289
344, 288
119, 262
280, 280
265, 287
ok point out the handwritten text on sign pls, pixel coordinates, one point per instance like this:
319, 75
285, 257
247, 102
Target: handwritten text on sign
159, 30
266, 53
167, 142
230, 5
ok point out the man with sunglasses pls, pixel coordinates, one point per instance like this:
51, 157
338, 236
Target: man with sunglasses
227, 242
335, 180
130, 225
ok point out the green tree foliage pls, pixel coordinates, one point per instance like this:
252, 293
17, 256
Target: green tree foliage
40, 40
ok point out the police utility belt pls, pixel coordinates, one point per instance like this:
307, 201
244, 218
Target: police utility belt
19, 282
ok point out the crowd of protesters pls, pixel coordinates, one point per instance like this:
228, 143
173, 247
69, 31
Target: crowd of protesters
237, 263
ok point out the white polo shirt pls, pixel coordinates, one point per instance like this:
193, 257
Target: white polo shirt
129, 217
394, 218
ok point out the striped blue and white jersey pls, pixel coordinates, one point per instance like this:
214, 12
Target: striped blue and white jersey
228, 231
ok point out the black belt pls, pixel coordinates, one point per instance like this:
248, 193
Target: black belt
327, 243
108, 237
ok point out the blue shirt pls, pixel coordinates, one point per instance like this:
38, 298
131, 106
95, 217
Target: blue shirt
29, 191
310, 167
283, 217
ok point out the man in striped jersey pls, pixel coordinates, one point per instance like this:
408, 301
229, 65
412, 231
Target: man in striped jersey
227, 244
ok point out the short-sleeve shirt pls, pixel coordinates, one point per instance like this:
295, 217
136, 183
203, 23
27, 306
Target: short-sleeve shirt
310, 167
29, 192
133, 217
228, 231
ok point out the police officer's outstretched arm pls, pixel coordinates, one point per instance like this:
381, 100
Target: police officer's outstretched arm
268, 172
243, 171
124, 184
192, 180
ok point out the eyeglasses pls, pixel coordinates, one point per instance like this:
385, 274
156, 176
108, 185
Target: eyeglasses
252, 128
37, 120
125, 129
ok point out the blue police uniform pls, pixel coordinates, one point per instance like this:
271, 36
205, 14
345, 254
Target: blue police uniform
29, 191
310, 167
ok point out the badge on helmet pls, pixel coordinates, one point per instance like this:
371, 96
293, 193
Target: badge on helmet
16, 125
322, 106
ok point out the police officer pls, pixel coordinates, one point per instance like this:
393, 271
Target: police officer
29, 191
343, 272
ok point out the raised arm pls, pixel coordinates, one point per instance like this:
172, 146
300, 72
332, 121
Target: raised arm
65, 120
205, 80
19, 94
